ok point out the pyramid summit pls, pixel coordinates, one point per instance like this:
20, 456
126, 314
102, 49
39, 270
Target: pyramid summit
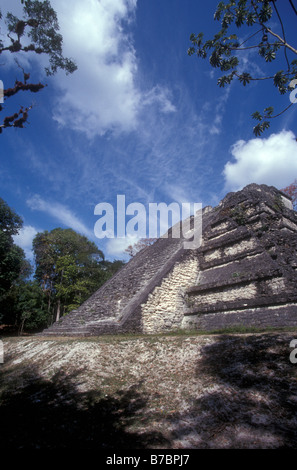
243, 273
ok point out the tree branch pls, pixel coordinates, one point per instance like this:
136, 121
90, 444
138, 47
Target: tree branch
283, 31
252, 35
273, 34
255, 79
33, 87
279, 114
291, 3
282, 41
17, 119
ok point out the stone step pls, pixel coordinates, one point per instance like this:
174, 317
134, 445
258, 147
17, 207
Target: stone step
276, 316
243, 278
226, 259
65, 332
240, 268
242, 304
228, 238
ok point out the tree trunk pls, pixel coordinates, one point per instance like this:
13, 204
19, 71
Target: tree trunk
58, 310
22, 326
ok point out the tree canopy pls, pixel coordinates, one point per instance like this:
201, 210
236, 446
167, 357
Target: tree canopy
35, 33
68, 269
12, 257
263, 29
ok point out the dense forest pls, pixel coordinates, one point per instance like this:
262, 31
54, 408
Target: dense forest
67, 269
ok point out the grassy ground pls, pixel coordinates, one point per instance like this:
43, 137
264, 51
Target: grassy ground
233, 389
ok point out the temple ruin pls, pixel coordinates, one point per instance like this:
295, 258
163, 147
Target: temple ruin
244, 273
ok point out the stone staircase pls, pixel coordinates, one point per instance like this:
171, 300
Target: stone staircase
108, 309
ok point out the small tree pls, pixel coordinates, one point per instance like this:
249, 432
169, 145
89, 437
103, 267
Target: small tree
291, 190
132, 250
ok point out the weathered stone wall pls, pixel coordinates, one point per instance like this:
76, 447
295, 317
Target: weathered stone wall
248, 264
164, 308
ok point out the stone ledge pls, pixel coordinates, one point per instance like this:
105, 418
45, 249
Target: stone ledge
243, 304
204, 265
241, 234
276, 316
241, 280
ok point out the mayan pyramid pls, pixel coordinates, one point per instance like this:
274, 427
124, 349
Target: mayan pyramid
243, 273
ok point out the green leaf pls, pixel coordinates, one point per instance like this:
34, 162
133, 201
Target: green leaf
259, 128
219, 10
265, 13
244, 78
227, 20
280, 80
257, 116
268, 111
240, 17
251, 19
262, 51
215, 59
270, 56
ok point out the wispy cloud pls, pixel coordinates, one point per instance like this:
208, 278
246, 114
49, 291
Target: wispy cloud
60, 213
215, 126
160, 96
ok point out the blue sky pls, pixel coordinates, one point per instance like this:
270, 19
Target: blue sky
138, 118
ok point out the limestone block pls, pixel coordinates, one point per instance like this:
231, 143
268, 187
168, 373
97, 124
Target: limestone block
164, 307
245, 245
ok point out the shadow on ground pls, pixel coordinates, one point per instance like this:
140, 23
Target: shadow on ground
246, 397
54, 414
250, 400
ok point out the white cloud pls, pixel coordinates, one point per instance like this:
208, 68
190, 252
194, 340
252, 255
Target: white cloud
101, 95
60, 213
117, 246
24, 239
160, 96
271, 161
